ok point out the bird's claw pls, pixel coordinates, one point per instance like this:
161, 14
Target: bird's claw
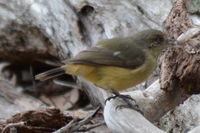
134, 107
127, 99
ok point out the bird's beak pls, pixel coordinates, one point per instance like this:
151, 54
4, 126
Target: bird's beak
170, 43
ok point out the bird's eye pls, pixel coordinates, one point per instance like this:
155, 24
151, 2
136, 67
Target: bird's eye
152, 45
159, 39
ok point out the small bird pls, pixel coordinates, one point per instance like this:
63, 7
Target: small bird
115, 64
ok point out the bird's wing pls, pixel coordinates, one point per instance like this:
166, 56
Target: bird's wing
115, 54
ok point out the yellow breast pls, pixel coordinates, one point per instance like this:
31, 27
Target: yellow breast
111, 77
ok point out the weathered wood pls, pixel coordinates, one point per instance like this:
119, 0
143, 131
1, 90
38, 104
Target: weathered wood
13, 101
48, 32
153, 102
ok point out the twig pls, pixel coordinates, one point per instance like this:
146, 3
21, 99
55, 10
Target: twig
93, 126
12, 125
74, 125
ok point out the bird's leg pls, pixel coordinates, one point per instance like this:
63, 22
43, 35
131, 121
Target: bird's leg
130, 102
117, 94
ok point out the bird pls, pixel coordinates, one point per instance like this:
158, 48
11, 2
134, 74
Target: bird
115, 64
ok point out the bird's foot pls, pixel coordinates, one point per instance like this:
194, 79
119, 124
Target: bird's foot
131, 106
130, 102
117, 94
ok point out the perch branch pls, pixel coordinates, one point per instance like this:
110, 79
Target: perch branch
153, 102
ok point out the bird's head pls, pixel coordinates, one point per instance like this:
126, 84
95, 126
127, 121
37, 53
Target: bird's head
153, 41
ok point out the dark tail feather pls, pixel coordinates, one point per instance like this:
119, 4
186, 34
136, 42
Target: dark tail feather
50, 74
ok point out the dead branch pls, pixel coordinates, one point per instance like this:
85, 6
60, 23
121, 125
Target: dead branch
75, 125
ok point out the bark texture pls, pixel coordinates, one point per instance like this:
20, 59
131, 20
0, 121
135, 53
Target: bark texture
181, 67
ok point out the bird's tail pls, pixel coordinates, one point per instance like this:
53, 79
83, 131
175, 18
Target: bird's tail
50, 74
